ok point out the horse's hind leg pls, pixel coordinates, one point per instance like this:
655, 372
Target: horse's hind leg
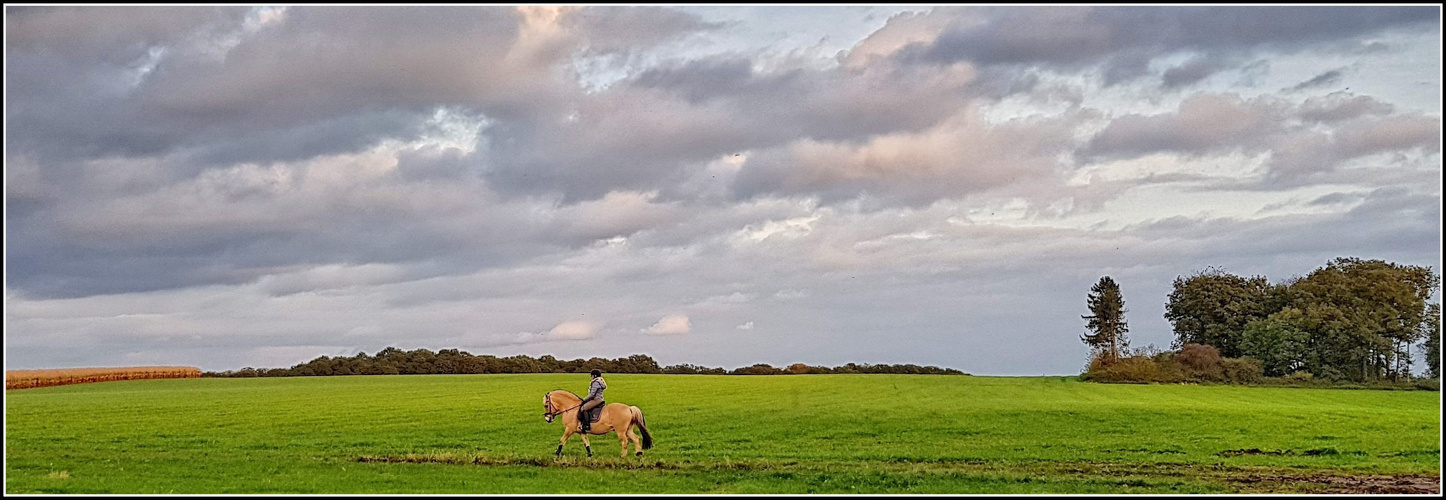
637, 443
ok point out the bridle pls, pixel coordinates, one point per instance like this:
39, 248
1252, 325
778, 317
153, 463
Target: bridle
547, 412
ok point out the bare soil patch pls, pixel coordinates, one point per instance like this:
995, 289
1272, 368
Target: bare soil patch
1320, 483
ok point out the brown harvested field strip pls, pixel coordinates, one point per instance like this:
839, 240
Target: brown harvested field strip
25, 379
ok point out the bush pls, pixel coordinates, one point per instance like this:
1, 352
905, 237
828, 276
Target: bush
1194, 363
1299, 376
758, 369
1242, 370
1133, 369
1201, 362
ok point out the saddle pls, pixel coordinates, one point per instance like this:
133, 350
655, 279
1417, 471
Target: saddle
596, 412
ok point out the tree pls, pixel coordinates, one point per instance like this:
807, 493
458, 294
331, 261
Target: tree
1279, 341
1431, 331
1106, 325
1361, 313
1213, 307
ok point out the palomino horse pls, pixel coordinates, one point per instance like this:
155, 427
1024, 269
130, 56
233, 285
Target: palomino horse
615, 417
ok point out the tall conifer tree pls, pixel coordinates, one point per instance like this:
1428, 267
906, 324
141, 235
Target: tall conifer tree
1106, 324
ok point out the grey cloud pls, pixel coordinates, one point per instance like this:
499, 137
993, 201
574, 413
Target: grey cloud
705, 79
1301, 154
1125, 66
1203, 123
1340, 106
1213, 124
614, 29
996, 83
1336, 199
1193, 71
112, 35
313, 75
962, 156
965, 285
1123, 40
1328, 78
1393, 223
323, 73
1075, 35
650, 130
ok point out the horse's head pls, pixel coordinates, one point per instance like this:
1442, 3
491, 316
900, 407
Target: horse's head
558, 402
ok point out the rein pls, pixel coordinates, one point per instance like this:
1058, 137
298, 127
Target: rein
548, 412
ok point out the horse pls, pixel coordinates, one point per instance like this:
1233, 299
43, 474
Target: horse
615, 417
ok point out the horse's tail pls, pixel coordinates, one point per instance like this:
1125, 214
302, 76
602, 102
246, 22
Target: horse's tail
642, 426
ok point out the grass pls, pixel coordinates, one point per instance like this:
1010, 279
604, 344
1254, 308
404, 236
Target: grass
715, 434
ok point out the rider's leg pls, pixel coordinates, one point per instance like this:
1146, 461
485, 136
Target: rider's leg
582, 417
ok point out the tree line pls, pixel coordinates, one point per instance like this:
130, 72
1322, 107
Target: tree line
1351, 320
393, 361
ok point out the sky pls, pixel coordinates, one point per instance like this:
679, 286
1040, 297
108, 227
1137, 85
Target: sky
237, 186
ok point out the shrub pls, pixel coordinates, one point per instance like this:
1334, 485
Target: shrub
1133, 369
1201, 362
757, 369
1242, 370
1194, 363
1299, 376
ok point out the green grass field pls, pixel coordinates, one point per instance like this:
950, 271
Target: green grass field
716, 434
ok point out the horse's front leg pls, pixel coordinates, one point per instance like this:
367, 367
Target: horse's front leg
566, 433
586, 444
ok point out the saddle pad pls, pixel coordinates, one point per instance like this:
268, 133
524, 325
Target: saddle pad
596, 412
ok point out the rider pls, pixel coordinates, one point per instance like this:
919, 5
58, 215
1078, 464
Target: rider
594, 398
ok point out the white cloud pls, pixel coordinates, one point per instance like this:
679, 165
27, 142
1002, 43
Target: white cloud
670, 325
745, 326
791, 294
567, 330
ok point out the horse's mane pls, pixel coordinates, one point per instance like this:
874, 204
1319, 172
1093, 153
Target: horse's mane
573, 394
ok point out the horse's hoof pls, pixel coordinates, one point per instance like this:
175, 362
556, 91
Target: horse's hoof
640, 453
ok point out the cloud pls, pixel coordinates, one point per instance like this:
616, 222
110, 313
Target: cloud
791, 294
1076, 35
1341, 106
1206, 124
961, 156
1324, 79
237, 186
1193, 71
665, 123
567, 330
670, 325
